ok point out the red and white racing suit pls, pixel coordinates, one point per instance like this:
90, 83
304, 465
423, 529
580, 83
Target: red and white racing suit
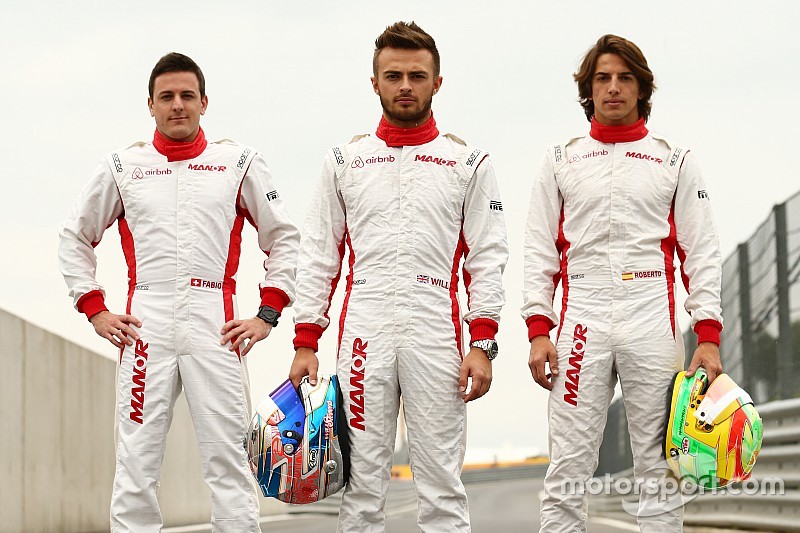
608, 212
409, 204
180, 208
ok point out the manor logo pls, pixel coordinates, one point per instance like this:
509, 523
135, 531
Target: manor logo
436, 160
357, 368
647, 157
207, 168
575, 361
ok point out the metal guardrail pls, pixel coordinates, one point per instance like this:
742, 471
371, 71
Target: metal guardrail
501, 473
770, 501
402, 495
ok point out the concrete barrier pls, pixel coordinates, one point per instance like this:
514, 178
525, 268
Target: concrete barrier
57, 439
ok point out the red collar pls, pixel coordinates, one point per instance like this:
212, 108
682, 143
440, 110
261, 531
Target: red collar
618, 134
394, 136
180, 151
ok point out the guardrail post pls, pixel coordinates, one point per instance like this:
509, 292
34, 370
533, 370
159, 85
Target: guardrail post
784, 355
745, 317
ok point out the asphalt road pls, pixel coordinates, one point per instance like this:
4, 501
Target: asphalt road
507, 506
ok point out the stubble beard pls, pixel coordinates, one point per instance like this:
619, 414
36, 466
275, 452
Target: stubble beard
408, 118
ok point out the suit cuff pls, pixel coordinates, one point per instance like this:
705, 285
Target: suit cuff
538, 325
482, 328
708, 331
91, 303
275, 298
307, 336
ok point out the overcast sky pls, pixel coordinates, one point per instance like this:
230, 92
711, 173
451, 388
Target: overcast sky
292, 79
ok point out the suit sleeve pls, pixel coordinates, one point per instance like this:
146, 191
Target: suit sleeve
320, 259
278, 237
542, 252
97, 207
698, 250
486, 251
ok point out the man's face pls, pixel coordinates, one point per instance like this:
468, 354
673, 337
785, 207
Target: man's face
406, 83
176, 105
615, 91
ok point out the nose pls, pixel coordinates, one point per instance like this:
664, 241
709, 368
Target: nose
613, 87
177, 104
405, 84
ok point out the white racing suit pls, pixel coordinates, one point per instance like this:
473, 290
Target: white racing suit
605, 220
180, 224
408, 215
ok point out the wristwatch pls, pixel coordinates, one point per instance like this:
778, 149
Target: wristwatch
487, 345
268, 315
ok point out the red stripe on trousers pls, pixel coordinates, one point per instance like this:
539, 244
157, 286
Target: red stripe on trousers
668, 248
562, 245
128, 249
348, 287
455, 311
231, 267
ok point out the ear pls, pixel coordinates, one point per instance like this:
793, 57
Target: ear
203, 104
437, 84
150, 106
375, 88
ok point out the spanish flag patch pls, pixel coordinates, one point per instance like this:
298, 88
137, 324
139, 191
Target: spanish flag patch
627, 276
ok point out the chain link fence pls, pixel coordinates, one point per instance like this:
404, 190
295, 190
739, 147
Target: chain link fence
761, 312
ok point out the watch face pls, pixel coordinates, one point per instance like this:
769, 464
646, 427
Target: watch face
492, 351
270, 316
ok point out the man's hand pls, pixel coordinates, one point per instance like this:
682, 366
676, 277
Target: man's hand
543, 351
477, 366
707, 356
116, 328
236, 331
305, 364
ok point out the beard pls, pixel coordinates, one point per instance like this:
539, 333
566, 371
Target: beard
407, 117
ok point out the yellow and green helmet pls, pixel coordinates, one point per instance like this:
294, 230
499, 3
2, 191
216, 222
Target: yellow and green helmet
713, 432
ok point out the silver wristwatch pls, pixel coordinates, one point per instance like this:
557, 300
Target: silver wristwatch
487, 345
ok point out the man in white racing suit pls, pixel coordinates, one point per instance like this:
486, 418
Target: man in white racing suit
608, 212
408, 203
180, 203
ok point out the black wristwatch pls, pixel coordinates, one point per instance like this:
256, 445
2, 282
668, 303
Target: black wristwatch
268, 315
487, 345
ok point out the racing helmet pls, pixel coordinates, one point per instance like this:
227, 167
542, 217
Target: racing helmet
713, 432
297, 443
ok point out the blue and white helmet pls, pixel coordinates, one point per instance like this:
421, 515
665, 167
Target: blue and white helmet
296, 444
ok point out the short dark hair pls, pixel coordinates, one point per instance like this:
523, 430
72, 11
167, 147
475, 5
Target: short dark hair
175, 62
633, 57
408, 36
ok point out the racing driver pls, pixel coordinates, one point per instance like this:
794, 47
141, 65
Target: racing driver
408, 203
180, 203
608, 213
